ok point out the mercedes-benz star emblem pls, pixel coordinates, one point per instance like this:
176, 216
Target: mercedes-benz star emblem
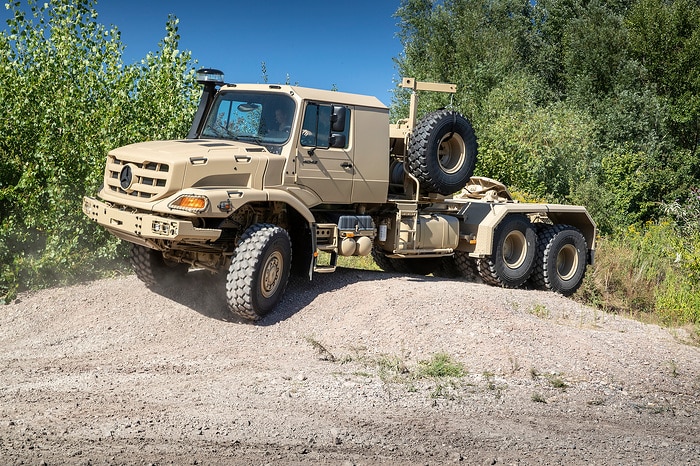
125, 177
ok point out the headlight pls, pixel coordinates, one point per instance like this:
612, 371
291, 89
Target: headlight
164, 228
190, 203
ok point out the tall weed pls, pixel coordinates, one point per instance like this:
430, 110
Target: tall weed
649, 271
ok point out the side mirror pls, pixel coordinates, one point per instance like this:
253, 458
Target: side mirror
337, 141
338, 119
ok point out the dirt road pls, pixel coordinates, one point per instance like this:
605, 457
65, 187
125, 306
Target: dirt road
109, 372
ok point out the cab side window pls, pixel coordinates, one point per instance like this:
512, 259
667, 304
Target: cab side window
326, 126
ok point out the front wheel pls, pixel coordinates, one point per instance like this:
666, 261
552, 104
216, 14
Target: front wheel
259, 271
561, 259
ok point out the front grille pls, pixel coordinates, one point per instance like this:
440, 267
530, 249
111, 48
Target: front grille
150, 179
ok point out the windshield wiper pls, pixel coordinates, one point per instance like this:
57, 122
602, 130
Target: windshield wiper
248, 137
219, 133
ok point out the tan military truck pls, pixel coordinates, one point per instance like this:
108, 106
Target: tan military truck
272, 175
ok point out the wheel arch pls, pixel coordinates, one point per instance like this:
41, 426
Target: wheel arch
581, 220
293, 204
299, 223
486, 219
300, 229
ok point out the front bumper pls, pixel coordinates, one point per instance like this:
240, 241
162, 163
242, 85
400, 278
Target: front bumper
137, 226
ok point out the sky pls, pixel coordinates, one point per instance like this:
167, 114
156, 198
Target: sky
349, 45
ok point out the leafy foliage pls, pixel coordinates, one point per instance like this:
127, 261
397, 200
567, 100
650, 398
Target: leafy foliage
542, 151
589, 102
67, 99
572, 100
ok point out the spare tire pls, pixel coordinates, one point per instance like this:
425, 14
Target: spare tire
442, 152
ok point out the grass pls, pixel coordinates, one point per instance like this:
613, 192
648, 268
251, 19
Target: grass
673, 367
349, 262
441, 365
558, 382
491, 384
541, 311
323, 352
391, 369
441, 369
444, 390
490, 381
554, 379
514, 364
649, 272
691, 335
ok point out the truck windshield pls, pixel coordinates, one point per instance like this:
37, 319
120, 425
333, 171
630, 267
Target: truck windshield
257, 117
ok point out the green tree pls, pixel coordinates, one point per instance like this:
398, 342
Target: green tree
618, 79
67, 99
665, 38
470, 43
541, 151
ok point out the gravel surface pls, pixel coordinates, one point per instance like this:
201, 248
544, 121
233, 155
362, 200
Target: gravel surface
110, 372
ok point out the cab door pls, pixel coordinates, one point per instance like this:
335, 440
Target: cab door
324, 154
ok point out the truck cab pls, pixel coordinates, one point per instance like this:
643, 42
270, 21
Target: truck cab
313, 131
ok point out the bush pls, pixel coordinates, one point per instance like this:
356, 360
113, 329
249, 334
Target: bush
678, 301
67, 100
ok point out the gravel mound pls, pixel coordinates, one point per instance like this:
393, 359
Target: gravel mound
112, 372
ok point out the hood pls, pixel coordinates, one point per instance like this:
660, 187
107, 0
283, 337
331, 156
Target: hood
146, 172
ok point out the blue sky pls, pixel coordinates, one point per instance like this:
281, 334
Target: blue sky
348, 44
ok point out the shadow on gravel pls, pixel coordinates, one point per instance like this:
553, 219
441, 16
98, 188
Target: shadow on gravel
301, 292
206, 293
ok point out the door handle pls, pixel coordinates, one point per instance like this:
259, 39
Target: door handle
346, 165
310, 161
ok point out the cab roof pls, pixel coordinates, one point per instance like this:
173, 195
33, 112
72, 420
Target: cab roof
307, 93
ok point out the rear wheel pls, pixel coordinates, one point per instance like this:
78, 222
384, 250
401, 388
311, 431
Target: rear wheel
447, 268
418, 265
467, 266
152, 269
513, 257
561, 259
385, 263
259, 271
